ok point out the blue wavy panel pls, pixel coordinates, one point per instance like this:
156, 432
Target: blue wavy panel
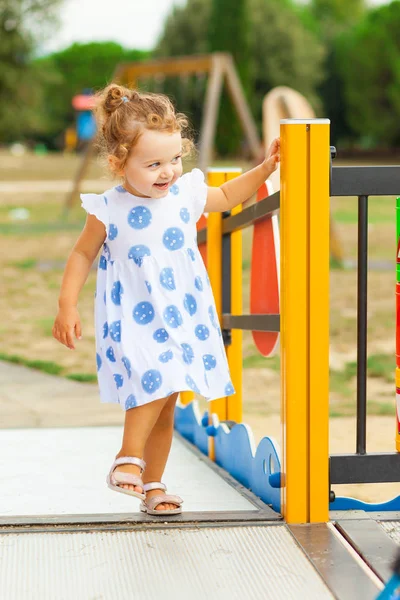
189, 424
353, 504
258, 469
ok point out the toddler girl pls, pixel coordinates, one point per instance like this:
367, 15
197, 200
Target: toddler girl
157, 331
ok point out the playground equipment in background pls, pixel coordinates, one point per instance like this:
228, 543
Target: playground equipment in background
283, 102
220, 67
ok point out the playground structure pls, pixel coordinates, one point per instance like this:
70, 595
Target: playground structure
288, 540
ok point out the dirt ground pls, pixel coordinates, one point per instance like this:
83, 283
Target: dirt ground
31, 262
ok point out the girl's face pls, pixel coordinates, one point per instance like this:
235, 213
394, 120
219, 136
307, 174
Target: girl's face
154, 164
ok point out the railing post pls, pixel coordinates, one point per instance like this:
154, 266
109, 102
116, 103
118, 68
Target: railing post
235, 349
305, 318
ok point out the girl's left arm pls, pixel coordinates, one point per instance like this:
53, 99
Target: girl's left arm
238, 190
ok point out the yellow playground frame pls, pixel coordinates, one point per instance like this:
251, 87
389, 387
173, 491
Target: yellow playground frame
304, 316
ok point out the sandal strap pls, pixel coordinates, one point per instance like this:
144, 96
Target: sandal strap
154, 485
128, 460
164, 499
119, 477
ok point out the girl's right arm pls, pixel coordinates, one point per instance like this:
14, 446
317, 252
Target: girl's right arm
76, 272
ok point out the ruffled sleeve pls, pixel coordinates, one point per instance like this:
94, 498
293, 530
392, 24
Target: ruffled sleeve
199, 192
96, 204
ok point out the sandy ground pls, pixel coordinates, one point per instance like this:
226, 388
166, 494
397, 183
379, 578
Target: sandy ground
30, 398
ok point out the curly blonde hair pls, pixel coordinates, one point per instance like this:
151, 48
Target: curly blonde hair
123, 114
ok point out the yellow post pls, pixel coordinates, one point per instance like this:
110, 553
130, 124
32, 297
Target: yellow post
186, 397
235, 350
214, 267
304, 318
319, 255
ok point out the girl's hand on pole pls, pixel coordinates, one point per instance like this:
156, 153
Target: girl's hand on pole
65, 325
273, 157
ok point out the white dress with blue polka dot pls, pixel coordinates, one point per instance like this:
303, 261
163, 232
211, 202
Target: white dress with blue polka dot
157, 331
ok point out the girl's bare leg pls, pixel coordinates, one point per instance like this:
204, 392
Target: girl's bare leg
158, 447
139, 422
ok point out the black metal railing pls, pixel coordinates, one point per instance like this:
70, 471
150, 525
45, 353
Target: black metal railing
362, 467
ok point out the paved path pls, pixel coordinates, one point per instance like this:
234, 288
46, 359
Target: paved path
30, 398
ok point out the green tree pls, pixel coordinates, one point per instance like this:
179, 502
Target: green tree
229, 31
330, 19
370, 67
78, 67
283, 51
22, 24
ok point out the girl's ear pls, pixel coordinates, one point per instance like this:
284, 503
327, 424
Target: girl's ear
113, 164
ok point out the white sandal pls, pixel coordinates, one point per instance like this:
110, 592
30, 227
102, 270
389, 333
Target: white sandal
116, 478
150, 505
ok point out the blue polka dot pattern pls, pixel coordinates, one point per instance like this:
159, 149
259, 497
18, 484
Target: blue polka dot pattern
98, 361
167, 278
192, 384
110, 354
191, 254
143, 313
188, 354
202, 332
137, 253
119, 380
172, 316
105, 200
229, 389
173, 238
103, 263
115, 331
127, 364
121, 189
190, 304
151, 381
105, 330
184, 215
198, 283
105, 298
148, 285
213, 318
116, 292
174, 189
210, 362
130, 402
112, 232
161, 335
106, 251
139, 217
166, 356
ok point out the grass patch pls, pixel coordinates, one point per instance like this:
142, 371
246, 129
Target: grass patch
82, 377
28, 263
254, 361
49, 367
46, 326
381, 365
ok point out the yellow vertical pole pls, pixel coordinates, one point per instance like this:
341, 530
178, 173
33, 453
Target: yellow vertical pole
214, 267
304, 317
235, 349
293, 321
186, 397
319, 320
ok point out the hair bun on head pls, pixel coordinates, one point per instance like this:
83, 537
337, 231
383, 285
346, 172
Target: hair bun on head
114, 96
